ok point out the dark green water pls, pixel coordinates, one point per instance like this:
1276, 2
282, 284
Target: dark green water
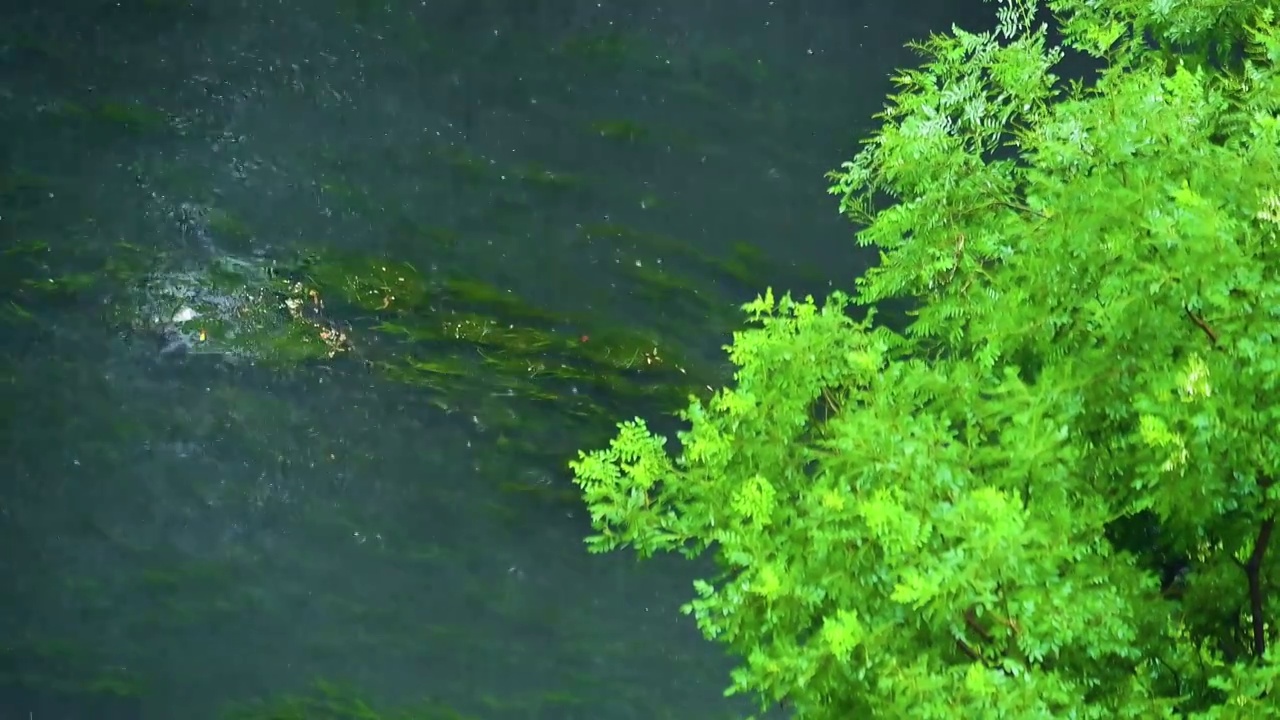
179, 534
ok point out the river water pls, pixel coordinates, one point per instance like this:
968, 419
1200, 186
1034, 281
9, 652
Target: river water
182, 539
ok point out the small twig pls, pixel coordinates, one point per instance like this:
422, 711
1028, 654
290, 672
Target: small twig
971, 619
1200, 323
1021, 208
967, 649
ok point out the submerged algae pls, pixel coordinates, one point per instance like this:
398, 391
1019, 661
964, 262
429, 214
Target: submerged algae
233, 307
332, 701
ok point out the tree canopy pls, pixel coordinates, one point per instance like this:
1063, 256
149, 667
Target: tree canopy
1050, 494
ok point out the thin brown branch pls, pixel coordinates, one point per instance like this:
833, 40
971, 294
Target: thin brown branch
1022, 208
1200, 323
967, 649
971, 619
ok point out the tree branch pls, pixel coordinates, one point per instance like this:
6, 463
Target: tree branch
1200, 323
1253, 569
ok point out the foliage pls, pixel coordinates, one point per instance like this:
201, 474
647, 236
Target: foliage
1052, 494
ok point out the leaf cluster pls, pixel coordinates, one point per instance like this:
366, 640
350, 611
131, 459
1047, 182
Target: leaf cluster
1052, 494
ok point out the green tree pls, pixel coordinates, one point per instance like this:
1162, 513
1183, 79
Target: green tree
1051, 495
